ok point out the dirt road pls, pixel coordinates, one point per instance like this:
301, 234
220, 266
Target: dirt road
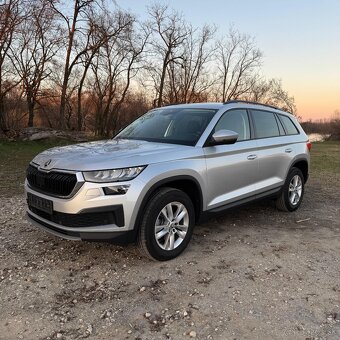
254, 273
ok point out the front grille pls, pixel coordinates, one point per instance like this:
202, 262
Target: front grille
55, 183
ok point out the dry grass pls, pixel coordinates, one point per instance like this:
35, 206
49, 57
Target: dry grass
326, 157
14, 158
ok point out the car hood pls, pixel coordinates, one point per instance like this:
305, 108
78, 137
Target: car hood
110, 154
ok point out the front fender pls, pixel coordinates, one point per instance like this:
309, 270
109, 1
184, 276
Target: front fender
155, 176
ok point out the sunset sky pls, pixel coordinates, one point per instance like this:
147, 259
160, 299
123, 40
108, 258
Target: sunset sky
300, 40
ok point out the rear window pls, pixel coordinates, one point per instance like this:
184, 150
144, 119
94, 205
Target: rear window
290, 127
265, 124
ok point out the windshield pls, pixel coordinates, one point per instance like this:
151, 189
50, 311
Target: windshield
169, 125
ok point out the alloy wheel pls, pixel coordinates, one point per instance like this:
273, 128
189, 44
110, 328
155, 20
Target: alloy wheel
295, 190
171, 225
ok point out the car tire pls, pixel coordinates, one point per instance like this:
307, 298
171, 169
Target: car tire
167, 224
292, 191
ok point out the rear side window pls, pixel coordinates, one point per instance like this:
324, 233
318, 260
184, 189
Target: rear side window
289, 125
281, 129
265, 124
237, 121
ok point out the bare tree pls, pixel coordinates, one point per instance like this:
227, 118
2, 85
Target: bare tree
271, 92
10, 17
169, 33
237, 60
336, 116
34, 48
188, 76
81, 13
82, 64
101, 29
116, 64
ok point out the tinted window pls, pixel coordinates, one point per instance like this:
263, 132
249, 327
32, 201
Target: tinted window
235, 120
169, 125
265, 124
281, 129
289, 125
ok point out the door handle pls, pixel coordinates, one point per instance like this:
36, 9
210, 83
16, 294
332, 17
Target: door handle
251, 157
289, 150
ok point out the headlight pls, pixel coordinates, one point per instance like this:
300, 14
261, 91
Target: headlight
114, 175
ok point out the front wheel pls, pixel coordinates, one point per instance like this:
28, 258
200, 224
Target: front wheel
167, 224
292, 191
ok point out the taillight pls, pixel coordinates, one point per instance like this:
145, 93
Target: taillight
309, 145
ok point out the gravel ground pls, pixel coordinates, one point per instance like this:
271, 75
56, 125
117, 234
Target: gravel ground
254, 273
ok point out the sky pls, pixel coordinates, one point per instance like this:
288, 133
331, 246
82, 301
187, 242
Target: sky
300, 40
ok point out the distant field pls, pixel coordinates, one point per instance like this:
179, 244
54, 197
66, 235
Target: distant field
326, 157
14, 157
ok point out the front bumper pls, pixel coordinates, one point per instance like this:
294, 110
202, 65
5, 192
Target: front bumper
89, 214
97, 233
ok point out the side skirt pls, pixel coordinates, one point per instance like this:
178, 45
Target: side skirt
272, 193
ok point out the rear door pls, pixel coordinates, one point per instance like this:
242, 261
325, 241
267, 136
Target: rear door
231, 169
274, 150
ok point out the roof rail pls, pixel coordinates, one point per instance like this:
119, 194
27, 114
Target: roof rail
250, 102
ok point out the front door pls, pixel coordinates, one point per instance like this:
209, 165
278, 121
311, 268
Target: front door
232, 169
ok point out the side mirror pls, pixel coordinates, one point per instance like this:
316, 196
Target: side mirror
221, 137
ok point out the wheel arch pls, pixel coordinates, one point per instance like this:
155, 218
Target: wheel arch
303, 165
185, 183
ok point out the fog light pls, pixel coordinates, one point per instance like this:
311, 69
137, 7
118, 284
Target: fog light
116, 190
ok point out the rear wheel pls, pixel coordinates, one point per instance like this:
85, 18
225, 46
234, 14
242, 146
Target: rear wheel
167, 224
292, 191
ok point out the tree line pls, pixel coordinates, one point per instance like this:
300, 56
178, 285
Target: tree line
329, 126
90, 65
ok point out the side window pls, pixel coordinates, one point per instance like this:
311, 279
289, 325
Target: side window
235, 120
281, 129
265, 124
289, 125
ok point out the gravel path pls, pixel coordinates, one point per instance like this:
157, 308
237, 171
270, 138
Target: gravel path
254, 273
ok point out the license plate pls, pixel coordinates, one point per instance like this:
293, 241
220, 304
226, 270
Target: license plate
40, 203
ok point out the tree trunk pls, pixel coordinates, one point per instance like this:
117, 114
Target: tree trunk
80, 88
30, 108
62, 105
79, 113
30, 115
161, 86
3, 125
67, 66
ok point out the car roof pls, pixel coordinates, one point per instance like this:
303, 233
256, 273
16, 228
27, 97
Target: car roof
229, 104
214, 106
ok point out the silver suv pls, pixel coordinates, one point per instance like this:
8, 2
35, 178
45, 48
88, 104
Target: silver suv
165, 171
